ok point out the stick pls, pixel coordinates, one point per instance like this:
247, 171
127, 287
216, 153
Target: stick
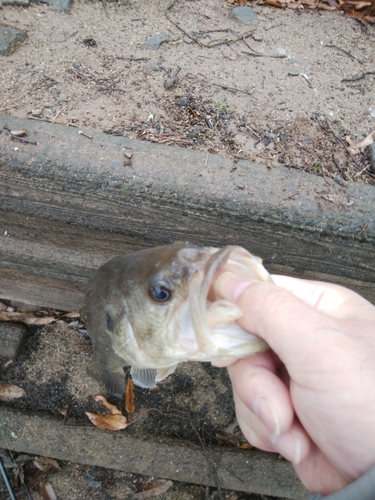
6, 481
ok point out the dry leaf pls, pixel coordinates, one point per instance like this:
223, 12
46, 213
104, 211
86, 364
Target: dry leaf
129, 396
18, 133
47, 491
46, 464
366, 142
9, 362
9, 392
112, 408
71, 315
27, 318
154, 489
108, 422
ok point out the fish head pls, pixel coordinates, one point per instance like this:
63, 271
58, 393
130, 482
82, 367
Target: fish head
152, 309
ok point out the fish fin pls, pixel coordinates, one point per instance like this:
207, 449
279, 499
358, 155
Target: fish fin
143, 377
114, 383
164, 372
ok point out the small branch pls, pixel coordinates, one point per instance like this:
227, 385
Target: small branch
345, 52
26, 141
361, 76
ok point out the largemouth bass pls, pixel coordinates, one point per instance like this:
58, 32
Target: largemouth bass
152, 309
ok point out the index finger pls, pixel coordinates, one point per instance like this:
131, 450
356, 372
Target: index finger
329, 298
292, 328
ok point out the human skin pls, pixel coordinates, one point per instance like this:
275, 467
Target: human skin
311, 398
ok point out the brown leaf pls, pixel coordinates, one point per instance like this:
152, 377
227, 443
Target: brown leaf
279, 5
129, 396
154, 489
112, 408
9, 392
71, 315
108, 422
47, 491
27, 318
46, 464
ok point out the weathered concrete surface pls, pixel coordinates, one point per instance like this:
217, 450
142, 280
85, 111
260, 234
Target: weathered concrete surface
68, 204
241, 470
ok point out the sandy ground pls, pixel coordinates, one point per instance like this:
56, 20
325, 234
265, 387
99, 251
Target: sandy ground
280, 91
284, 90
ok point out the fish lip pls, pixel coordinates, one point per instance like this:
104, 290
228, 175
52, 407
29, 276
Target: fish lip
198, 300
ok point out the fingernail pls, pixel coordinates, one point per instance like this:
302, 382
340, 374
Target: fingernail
229, 286
267, 414
289, 446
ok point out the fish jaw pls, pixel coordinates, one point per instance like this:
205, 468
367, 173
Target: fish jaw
218, 335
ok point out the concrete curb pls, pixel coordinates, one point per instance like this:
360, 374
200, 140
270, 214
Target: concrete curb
112, 194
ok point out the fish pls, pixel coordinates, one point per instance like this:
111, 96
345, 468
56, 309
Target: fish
154, 308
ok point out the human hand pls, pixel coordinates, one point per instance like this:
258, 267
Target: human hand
312, 396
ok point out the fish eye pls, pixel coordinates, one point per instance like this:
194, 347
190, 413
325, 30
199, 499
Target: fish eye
159, 293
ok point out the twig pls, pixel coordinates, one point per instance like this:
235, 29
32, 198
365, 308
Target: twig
133, 58
230, 42
205, 163
345, 52
307, 80
18, 470
181, 29
23, 140
57, 114
210, 462
355, 78
292, 195
209, 45
67, 37
362, 229
50, 121
85, 135
258, 54
6, 481
137, 77
357, 174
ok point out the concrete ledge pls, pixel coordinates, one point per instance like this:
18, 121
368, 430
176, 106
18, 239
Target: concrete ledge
69, 203
240, 470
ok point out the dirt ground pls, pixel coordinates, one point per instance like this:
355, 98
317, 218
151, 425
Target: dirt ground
195, 404
295, 89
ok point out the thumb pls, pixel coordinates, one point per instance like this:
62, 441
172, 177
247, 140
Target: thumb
292, 328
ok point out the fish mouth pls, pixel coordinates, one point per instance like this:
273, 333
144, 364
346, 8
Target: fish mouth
218, 335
